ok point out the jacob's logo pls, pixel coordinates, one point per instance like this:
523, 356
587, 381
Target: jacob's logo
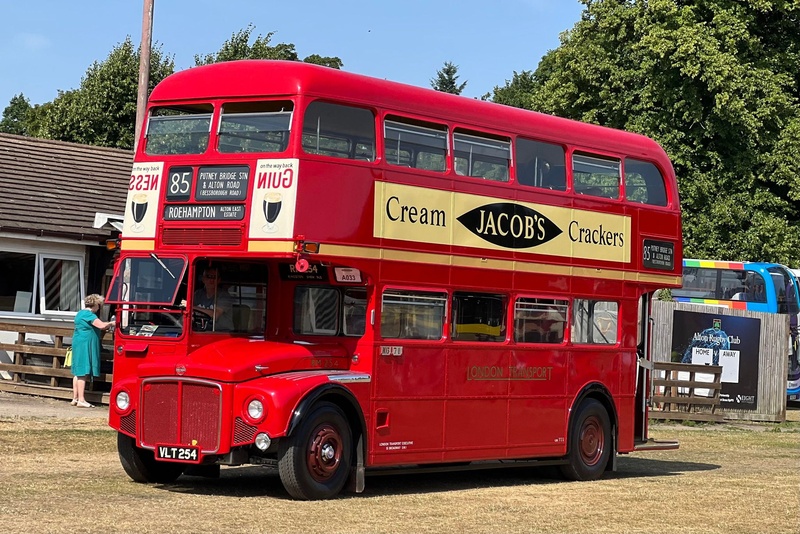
510, 225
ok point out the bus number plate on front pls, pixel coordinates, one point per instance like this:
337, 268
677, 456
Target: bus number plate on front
178, 454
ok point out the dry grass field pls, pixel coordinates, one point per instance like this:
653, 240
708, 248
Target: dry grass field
63, 476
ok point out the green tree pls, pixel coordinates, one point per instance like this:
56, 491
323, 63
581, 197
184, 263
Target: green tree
446, 80
239, 47
15, 116
716, 84
103, 110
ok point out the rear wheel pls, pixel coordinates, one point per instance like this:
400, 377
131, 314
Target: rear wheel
141, 465
314, 462
589, 442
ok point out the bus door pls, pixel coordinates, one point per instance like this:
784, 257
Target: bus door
644, 371
409, 378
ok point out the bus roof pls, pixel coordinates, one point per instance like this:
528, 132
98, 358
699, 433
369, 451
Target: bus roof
251, 78
736, 265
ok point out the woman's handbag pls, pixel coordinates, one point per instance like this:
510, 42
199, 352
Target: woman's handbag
68, 359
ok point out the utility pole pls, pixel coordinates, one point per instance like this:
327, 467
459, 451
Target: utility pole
144, 67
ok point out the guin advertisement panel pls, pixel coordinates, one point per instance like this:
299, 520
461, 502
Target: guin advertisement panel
418, 214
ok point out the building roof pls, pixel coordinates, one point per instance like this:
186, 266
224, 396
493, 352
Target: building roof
53, 188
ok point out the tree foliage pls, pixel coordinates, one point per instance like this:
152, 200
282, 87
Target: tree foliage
102, 111
15, 115
239, 47
715, 82
446, 80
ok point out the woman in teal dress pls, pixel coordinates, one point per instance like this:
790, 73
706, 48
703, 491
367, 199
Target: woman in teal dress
86, 348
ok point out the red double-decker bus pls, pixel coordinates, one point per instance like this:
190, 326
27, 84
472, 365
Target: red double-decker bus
331, 274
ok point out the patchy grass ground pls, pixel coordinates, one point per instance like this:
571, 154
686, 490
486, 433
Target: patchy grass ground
60, 476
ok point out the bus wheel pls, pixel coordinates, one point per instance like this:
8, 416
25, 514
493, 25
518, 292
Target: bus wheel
589, 442
141, 465
314, 462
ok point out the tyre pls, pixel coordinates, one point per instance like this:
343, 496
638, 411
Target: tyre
314, 462
589, 442
141, 465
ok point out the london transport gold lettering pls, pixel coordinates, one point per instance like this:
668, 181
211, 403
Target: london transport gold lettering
496, 372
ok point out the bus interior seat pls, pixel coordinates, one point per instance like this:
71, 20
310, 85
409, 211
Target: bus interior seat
241, 317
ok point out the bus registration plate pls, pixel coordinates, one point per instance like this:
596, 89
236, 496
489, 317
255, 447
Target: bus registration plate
178, 454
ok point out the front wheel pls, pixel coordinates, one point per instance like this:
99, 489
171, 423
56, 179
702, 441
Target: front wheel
314, 462
141, 465
589, 442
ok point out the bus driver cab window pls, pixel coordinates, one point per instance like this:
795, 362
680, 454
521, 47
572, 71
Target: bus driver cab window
212, 307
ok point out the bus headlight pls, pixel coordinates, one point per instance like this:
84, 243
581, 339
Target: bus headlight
255, 410
123, 401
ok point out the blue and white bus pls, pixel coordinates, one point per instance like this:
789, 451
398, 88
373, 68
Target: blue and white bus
754, 286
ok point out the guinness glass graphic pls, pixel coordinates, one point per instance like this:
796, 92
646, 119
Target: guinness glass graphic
138, 209
272, 207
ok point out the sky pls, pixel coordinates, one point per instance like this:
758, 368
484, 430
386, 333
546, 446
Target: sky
48, 45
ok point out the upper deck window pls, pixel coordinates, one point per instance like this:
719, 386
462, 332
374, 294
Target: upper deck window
415, 144
339, 131
541, 165
482, 157
596, 176
255, 127
644, 183
183, 130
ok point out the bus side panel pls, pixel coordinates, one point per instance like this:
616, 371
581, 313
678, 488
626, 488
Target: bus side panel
537, 402
476, 406
408, 407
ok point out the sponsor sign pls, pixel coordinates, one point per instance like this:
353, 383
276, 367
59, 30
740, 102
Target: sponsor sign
274, 196
141, 207
418, 214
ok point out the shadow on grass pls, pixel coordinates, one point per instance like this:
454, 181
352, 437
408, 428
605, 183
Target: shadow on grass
254, 481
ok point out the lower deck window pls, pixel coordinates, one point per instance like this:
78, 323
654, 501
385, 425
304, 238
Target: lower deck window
479, 317
594, 322
412, 314
539, 320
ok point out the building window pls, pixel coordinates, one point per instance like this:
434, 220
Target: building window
40, 283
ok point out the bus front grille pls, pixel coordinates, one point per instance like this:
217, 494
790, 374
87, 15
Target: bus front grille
181, 412
231, 237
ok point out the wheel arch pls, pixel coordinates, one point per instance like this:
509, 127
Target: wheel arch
601, 394
344, 399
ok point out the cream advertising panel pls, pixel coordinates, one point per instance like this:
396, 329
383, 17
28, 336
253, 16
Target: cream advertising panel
141, 208
274, 196
411, 213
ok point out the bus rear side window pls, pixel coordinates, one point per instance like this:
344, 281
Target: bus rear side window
412, 314
339, 131
255, 127
594, 322
644, 183
596, 176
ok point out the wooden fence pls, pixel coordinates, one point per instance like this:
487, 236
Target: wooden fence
773, 349
37, 366
680, 393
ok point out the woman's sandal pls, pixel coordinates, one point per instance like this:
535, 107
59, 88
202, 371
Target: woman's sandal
84, 404
74, 402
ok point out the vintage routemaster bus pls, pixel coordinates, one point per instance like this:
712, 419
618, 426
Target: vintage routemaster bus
331, 274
